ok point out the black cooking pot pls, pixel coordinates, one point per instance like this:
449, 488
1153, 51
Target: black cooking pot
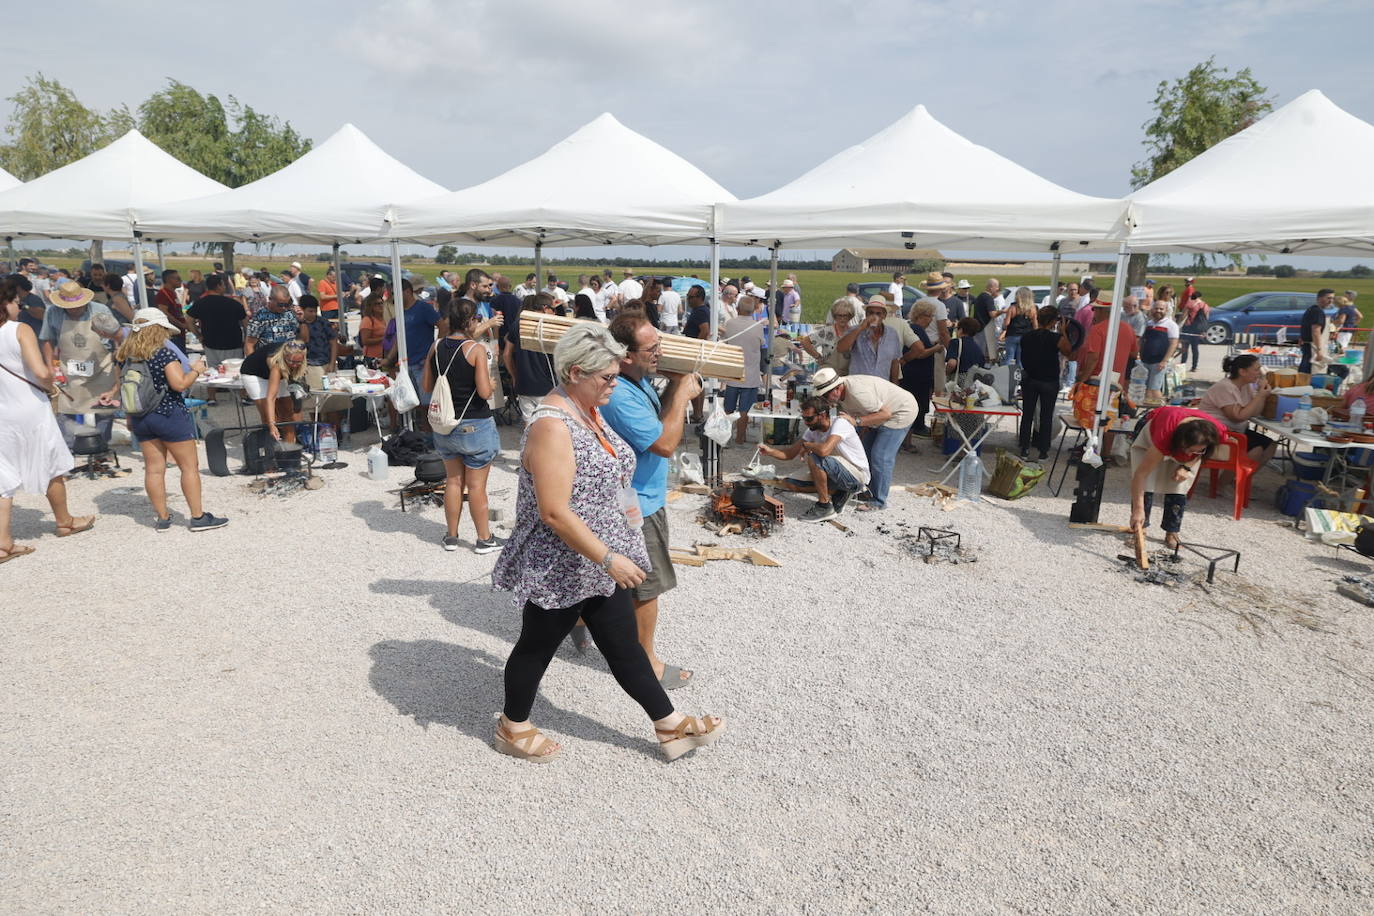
747, 494
1364, 540
289, 455
88, 444
429, 468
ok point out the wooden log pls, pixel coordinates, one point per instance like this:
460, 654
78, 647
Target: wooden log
540, 333
759, 558
1100, 526
1142, 558
685, 559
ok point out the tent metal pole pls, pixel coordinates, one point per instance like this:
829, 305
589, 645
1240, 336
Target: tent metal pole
538, 264
14, 268
339, 290
710, 451
773, 285
1109, 352
1054, 274
140, 287
161, 261
398, 302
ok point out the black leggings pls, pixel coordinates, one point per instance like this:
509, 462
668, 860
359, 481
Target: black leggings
611, 621
1041, 394
1174, 504
1191, 342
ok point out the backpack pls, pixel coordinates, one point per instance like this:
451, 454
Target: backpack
442, 419
137, 390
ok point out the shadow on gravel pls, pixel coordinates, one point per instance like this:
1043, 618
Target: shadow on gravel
28, 524
134, 505
475, 605
1344, 562
439, 683
389, 519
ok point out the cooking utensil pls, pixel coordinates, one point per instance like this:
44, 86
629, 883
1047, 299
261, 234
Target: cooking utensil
747, 494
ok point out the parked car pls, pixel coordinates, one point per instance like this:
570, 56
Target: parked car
1243, 313
682, 284
909, 293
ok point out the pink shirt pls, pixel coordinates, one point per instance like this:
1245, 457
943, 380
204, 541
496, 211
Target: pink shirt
1361, 391
1084, 316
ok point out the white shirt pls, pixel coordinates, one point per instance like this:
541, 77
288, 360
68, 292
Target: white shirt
558, 293
894, 292
669, 308
941, 310
849, 451
522, 291
630, 288
294, 288
596, 302
729, 309
129, 282
606, 298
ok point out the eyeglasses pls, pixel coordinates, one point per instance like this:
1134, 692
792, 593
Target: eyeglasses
605, 378
656, 348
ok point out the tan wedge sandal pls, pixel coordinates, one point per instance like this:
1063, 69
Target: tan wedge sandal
690, 734
508, 742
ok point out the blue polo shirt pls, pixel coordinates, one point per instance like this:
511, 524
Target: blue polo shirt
420, 321
633, 413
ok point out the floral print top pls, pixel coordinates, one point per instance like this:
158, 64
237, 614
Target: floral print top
535, 563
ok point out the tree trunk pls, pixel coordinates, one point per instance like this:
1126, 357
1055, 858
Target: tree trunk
1135, 271
97, 251
229, 260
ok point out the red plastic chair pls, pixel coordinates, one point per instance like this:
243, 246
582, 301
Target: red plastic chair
1230, 455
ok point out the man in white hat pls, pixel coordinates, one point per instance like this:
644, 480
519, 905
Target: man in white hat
939, 288
75, 330
882, 413
300, 276
630, 288
791, 302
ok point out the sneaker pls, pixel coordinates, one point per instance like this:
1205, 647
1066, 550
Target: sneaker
819, 512
450, 542
487, 545
206, 522
162, 524
1044, 456
922, 432
839, 499
1025, 454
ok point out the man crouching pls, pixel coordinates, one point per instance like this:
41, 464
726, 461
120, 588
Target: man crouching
835, 455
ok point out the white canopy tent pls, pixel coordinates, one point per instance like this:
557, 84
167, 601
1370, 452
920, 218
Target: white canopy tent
1297, 182
603, 185
341, 191
919, 184
8, 181
101, 195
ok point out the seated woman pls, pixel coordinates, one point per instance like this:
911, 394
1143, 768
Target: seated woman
1170, 446
1237, 398
964, 352
267, 375
1364, 391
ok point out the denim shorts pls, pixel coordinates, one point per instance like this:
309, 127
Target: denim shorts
179, 427
839, 476
739, 399
476, 442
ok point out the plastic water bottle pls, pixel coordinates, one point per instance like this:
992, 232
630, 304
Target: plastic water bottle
1306, 402
1357, 412
376, 463
1281, 337
1136, 390
329, 446
970, 477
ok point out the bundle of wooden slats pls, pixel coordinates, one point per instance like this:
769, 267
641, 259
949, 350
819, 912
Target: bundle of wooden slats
540, 332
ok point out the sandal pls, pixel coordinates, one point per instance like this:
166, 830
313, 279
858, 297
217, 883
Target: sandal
508, 743
690, 734
16, 551
1172, 540
78, 525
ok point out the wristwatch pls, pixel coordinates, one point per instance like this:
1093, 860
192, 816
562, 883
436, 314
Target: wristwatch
606, 562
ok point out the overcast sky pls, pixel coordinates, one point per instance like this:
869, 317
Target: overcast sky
754, 93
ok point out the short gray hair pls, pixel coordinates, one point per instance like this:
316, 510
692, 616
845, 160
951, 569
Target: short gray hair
589, 347
923, 306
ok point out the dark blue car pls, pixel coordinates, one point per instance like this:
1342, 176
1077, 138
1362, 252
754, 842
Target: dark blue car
1242, 314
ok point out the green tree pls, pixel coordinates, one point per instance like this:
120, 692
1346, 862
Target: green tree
447, 254
49, 128
1191, 115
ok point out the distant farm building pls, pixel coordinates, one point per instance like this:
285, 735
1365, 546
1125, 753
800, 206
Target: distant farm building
881, 260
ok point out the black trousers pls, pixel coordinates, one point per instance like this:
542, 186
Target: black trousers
922, 391
1038, 398
611, 621
1190, 342
1174, 504
1305, 366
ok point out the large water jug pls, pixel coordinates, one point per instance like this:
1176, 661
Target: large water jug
376, 463
329, 445
1136, 390
1357, 412
970, 477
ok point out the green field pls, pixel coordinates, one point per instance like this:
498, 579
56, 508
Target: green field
819, 287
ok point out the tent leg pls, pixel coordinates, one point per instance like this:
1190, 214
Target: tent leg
538, 265
14, 267
140, 288
773, 286
710, 451
339, 289
398, 300
1054, 274
161, 261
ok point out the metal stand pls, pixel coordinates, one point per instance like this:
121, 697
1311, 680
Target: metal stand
933, 536
1087, 493
1213, 556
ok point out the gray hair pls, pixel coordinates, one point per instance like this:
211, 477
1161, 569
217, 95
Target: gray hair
588, 346
923, 306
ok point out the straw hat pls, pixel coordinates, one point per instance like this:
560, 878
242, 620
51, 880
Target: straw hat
70, 295
825, 379
935, 281
144, 318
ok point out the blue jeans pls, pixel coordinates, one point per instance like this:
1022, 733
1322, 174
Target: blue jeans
1013, 351
1070, 373
1155, 379
837, 476
417, 375
881, 444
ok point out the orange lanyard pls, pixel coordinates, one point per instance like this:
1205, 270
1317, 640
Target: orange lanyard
592, 423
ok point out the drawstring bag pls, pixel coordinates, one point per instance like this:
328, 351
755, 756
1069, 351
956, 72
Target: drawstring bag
442, 419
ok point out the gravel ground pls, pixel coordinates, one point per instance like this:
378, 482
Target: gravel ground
294, 714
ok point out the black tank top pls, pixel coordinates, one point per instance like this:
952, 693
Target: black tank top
462, 377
